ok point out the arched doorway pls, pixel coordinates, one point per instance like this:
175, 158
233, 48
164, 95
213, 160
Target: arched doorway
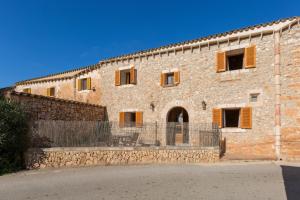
177, 132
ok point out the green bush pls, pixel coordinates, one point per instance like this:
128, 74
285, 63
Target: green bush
13, 137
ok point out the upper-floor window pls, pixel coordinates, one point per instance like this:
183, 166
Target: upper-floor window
51, 92
170, 78
236, 59
125, 76
27, 90
84, 84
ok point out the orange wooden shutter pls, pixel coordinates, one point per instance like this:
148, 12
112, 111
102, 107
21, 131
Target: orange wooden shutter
250, 57
79, 84
246, 117
89, 83
177, 77
139, 119
121, 119
48, 92
217, 117
132, 75
117, 77
162, 79
221, 62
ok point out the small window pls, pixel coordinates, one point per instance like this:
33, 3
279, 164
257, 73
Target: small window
169, 80
130, 119
235, 59
84, 84
254, 97
52, 92
27, 90
231, 118
125, 77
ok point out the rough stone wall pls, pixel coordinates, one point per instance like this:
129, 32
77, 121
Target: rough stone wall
90, 96
199, 81
64, 89
67, 89
74, 157
290, 98
47, 108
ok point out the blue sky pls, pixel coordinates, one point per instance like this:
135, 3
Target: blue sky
43, 37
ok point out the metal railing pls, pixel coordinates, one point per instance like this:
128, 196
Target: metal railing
47, 133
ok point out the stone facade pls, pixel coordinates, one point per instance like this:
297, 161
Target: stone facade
46, 108
290, 94
199, 82
74, 157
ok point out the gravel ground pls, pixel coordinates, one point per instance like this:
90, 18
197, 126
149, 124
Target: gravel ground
207, 181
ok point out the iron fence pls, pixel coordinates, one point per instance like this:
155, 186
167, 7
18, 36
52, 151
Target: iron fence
47, 133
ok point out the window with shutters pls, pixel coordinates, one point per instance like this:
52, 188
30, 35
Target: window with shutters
125, 76
51, 92
131, 119
236, 59
170, 79
84, 84
233, 117
27, 90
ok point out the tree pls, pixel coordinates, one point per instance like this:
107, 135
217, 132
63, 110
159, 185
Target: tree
13, 136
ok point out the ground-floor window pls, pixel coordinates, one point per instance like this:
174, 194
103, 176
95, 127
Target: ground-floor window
231, 118
130, 119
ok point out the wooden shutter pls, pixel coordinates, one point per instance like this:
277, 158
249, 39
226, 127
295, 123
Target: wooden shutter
246, 117
217, 117
121, 119
177, 77
132, 75
48, 92
89, 83
162, 79
250, 57
221, 62
139, 119
117, 77
79, 84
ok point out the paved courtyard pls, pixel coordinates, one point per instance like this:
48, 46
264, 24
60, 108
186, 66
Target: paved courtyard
207, 181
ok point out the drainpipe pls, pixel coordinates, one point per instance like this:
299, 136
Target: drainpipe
277, 95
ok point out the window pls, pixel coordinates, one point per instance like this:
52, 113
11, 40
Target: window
170, 78
254, 97
235, 59
27, 90
231, 118
51, 92
125, 77
130, 119
84, 84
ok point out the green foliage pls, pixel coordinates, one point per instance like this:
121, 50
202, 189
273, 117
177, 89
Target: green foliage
13, 137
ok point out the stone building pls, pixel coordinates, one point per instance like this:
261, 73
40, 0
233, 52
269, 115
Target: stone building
246, 80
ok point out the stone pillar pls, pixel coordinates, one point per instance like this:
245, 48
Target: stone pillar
277, 94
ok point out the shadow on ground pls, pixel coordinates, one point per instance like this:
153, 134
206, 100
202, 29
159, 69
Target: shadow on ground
291, 177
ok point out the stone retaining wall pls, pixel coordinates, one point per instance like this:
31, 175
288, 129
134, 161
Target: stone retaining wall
40, 107
74, 157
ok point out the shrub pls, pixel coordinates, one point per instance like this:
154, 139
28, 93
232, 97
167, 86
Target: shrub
13, 137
